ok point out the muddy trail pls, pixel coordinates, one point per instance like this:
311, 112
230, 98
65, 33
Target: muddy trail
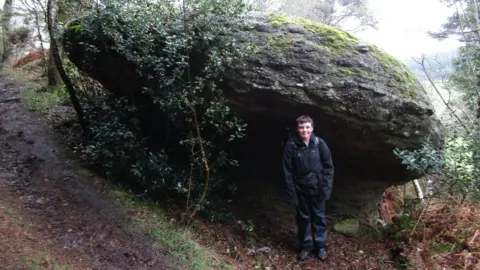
48, 212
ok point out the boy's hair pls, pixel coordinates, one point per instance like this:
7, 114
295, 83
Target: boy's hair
304, 119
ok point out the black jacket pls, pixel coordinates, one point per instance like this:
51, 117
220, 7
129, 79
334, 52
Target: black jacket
307, 169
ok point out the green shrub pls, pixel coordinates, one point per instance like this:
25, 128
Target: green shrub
182, 51
456, 164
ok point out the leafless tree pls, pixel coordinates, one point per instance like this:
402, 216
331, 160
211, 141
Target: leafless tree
350, 15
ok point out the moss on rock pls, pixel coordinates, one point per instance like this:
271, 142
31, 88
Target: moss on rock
340, 42
280, 44
399, 74
337, 40
352, 71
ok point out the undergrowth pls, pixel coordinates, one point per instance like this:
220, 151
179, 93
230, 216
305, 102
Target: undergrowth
434, 233
43, 101
180, 240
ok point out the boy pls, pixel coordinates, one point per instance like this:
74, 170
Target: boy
308, 172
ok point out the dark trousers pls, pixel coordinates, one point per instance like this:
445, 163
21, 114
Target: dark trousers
311, 222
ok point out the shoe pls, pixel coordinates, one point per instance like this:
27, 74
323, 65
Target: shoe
322, 254
303, 255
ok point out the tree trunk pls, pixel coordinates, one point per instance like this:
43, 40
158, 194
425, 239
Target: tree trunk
53, 76
58, 63
7, 46
418, 189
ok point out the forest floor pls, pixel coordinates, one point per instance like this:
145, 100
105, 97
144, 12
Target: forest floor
52, 216
57, 214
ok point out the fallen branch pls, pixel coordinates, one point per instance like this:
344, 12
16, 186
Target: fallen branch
477, 233
10, 100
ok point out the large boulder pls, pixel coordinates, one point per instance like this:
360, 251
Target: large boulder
364, 102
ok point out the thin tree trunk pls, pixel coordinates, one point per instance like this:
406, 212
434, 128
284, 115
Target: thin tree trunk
418, 189
477, 19
195, 131
7, 46
61, 70
40, 38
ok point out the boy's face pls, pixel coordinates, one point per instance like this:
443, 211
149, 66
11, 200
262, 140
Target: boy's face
305, 130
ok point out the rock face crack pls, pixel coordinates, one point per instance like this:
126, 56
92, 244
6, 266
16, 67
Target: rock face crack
364, 102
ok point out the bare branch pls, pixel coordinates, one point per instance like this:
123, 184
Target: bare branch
425, 70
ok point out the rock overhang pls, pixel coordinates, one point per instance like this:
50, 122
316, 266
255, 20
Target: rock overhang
365, 103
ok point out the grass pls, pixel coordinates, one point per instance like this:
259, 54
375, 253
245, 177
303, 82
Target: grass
36, 96
29, 75
179, 240
42, 101
44, 261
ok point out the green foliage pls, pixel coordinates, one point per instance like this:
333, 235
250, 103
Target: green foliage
118, 146
462, 153
455, 163
462, 24
401, 225
181, 51
426, 160
462, 174
442, 248
465, 76
42, 99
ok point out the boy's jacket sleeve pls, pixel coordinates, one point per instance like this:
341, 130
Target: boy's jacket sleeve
327, 164
287, 172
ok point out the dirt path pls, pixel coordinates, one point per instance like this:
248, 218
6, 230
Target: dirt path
51, 217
